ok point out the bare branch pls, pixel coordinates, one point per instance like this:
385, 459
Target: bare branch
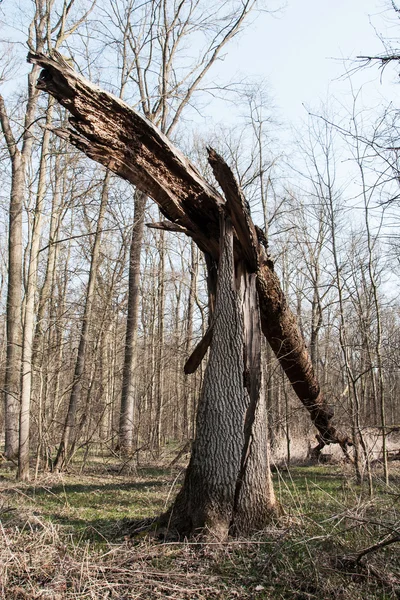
168, 226
194, 360
383, 59
7, 131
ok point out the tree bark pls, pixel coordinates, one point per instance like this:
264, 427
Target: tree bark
255, 500
29, 319
226, 487
128, 389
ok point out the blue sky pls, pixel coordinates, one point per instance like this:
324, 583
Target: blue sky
301, 52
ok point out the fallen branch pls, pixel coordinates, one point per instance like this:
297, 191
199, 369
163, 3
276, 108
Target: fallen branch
392, 539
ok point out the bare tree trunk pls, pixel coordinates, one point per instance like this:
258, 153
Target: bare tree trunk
55, 338
188, 338
377, 306
351, 379
48, 283
126, 419
29, 319
14, 308
19, 161
159, 380
63, 456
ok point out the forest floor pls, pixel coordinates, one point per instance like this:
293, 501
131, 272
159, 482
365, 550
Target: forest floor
65, 536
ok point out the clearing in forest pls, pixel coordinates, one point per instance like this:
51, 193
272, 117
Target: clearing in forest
67, 536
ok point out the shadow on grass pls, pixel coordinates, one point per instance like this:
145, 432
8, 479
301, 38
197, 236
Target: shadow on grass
95, 530
98, 511
82, 488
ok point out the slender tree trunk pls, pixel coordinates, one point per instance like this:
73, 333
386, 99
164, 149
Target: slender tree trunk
56, 335
29, 319
62, 457
357, 433
128, 379
14, 308
378, 343
41, 367
48, 283
159, 379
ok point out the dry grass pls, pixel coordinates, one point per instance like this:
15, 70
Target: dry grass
44, 564
63, 538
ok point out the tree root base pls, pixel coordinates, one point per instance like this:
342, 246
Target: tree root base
166, 528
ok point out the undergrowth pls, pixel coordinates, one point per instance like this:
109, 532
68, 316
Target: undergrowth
64, 537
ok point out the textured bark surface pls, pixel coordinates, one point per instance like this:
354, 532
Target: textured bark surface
280, 327
109, 131
239, 211
213, 488
255, 501
112, 133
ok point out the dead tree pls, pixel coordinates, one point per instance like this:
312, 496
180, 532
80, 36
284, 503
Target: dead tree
112, 133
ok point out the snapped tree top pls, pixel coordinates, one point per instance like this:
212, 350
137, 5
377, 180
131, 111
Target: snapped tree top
109, 131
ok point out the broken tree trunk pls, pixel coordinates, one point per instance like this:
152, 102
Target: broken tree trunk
115, 135
228, 481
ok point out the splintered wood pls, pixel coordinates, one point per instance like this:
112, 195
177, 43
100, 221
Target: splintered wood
109, 131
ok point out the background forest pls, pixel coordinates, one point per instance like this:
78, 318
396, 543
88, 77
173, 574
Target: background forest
104, 311
100, 309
